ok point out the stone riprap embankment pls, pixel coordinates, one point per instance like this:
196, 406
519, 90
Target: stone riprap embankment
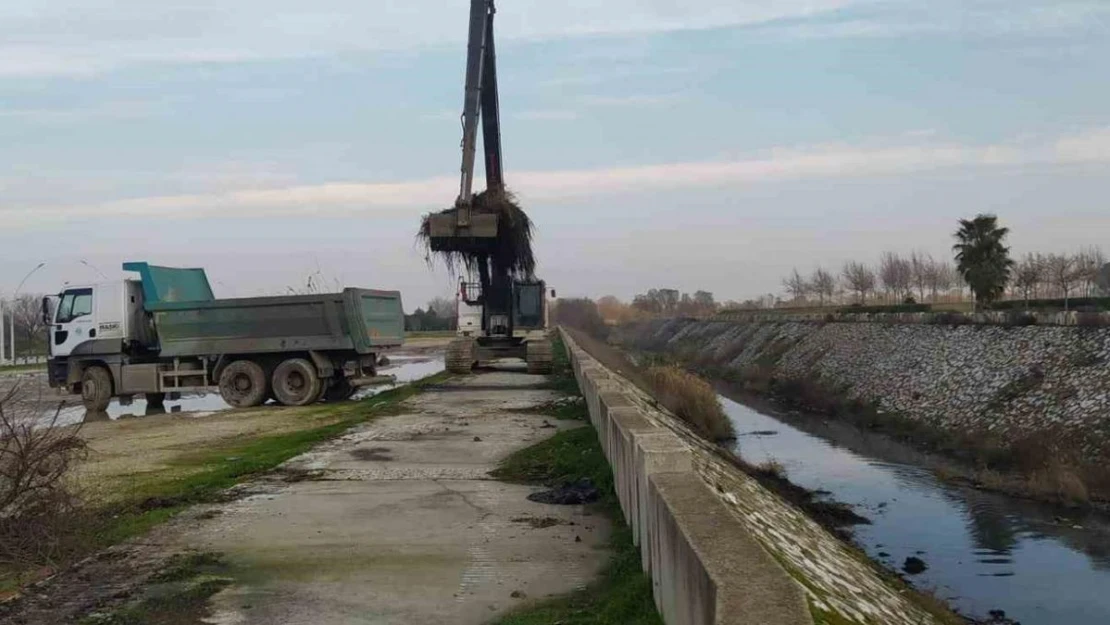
720, 548
1017, 383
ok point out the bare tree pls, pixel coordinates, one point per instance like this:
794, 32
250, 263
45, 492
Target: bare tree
1062, 273
796, 285
860, 279
823, 285
1088, 262
30, 331
896, 274
921, 269
947, 277
443, 307
1028, 275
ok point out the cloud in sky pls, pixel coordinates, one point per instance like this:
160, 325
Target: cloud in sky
91, 36
82, 37
879, 158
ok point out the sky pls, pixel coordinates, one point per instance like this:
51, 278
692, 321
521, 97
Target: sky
694, 144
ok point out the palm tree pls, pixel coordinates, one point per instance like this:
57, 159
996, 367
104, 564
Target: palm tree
982, 258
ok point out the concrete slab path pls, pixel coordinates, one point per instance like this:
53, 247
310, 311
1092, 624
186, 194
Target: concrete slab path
399, 522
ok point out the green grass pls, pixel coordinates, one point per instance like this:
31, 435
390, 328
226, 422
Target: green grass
22, 368
203, 476
176, 595
622, 594
209, 472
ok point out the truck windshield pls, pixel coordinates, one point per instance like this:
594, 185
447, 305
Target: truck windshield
75, 303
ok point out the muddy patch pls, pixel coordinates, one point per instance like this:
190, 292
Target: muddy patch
372, 454
575, 493
539, 523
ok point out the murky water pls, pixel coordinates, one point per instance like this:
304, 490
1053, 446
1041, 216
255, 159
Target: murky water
1041, 564
405, 368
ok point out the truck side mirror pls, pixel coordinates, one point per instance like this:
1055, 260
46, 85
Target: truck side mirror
47, 310
552, 293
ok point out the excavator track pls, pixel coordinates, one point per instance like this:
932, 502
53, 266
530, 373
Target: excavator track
540, 356
460, 355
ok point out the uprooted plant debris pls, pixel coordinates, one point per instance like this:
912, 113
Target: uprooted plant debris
575, 493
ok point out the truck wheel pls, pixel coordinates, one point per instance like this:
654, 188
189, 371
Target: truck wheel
340, 390
296, 383
460, 356
96, 389
243, 384
539, 356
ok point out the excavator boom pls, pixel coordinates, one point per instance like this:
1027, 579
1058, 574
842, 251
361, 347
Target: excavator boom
480, 103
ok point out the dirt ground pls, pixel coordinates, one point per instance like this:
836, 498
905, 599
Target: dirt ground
397, 521
123, 451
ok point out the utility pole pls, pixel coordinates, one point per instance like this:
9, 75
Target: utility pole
2, 359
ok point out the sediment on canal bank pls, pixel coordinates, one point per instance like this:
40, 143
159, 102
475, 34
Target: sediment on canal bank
1027, 409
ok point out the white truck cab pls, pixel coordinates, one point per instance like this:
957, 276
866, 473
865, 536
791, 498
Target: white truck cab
98, 318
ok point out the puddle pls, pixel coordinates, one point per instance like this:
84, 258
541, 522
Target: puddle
406, 368
1041, 564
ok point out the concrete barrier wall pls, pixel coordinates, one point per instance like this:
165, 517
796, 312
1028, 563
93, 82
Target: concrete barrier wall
704, 565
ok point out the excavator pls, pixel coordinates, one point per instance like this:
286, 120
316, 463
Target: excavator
504, 313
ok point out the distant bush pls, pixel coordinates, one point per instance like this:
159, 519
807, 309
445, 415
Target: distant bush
950, 319
892, 308
1088, 304
582, 314
692, 399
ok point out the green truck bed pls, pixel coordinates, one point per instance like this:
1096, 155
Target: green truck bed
361, 320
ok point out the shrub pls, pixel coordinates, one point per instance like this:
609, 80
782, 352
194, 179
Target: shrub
1091, 320
693, 400
1091, 304
38, 512
582, 313
893, 308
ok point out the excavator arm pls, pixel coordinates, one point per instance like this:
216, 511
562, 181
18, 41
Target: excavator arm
480, 103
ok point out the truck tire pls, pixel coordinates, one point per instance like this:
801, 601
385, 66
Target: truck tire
243, 384
296, 383
340, 390
460, 356
96, 389
540, 357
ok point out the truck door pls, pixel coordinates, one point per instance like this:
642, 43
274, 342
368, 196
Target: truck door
73, 321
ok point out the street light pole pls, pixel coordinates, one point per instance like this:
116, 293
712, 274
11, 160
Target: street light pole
14, 296
2, 359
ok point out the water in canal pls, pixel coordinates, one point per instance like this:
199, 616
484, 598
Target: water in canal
1041, 564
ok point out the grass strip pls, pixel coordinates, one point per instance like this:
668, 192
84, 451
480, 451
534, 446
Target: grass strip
622, 593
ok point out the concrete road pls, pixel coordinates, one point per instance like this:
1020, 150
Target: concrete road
399, 522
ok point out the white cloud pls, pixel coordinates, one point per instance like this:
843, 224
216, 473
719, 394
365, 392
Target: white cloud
80, 37
402, 198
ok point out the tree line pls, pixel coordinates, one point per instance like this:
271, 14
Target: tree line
981, 267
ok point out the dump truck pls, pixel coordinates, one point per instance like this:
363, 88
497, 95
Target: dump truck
163, 333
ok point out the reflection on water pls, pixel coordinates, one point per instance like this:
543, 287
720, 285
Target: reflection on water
404, 368
1038, 563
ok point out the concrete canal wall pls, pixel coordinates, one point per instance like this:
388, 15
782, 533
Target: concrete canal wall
719, 548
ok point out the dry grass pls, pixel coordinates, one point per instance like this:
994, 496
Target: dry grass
692, 399
772, 468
